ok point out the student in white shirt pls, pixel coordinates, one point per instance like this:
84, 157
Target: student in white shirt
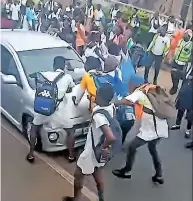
63, 85
156, 51
147, 135
87, 163
114, 11
15, 11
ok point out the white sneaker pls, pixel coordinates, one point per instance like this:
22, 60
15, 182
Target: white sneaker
187, 134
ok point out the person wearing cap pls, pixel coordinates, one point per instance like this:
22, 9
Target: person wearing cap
87, 163
92, 65
181, 59
63, 85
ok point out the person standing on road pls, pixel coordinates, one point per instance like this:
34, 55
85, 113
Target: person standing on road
156, 51
155, 24
15, 12
113, 12
63, 85
89, 16
181, 59
184, 103
87, 163
147, 135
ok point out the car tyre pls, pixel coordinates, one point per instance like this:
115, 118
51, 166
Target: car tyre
27, 123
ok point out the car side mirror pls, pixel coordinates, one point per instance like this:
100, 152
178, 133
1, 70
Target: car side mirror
9, 79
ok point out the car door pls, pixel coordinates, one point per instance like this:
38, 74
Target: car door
11, 94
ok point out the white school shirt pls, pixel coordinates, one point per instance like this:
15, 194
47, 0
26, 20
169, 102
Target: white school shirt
152, 29
87, 161
147, 130
159, 45
15, 12
57, 119
114, 14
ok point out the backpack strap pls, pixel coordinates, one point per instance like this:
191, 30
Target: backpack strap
105, 113
58, 77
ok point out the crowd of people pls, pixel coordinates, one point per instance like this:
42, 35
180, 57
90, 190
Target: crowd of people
111, 53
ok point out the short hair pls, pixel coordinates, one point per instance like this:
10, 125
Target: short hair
106, 93
59, 63
92, 63
114, 49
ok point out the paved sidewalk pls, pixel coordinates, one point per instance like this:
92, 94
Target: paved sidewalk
22, 181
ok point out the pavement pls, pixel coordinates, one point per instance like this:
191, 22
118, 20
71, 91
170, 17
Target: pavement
51, 177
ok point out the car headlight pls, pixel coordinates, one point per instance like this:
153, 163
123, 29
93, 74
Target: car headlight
53, 137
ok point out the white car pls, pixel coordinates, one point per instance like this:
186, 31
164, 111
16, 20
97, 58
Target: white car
22, 54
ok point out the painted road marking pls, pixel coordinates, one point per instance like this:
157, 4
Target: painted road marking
51, 163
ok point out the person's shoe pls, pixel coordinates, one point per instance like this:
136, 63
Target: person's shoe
67, 198
175, 127
157, 179
30, 158
187, 134
71, 159
189, 145
173, 91
155, 82
122, 174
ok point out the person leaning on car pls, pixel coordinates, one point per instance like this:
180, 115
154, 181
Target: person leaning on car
63, 85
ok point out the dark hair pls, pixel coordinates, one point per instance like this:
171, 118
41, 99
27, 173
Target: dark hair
105, 94
92, 63
59, 63
114, 49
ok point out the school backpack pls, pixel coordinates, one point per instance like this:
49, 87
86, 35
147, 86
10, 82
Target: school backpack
46, 97
125, 113
162, 104
117, 144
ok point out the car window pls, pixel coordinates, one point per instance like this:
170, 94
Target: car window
34, 61
8, 65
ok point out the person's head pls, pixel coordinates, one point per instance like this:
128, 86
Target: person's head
171, 19
187, 35
111, 62
156, 15
104, 95
59, 63
116, 7
77, 4
163, 30
135, 11
31, 5
89, 4
114, 49
118, 30
92, 63
119, 14
66, 22
98, 6
94, 27
55, 9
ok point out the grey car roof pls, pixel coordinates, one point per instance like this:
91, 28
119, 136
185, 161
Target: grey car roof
22, 40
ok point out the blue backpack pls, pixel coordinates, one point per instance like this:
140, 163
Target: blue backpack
125, 113
46, 97
117, 132
100, 79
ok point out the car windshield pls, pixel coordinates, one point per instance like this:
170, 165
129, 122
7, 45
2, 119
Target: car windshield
34, 61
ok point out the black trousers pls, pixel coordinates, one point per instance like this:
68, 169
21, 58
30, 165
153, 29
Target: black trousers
150, 60
180, 115
126, 127
138, 142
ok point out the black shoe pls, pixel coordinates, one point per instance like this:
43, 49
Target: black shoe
30, 159
158, 180
189, 145
122, 174
67, 198
173, 91
175, 127
187, 134
155, 82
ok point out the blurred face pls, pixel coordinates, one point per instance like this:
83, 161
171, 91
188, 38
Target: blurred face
66, 23
186, 37
98, 7
117, 30
171, 19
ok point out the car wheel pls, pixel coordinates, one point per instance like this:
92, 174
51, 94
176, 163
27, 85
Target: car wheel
27, 123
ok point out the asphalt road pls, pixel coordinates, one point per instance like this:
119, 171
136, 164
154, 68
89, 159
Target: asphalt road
43, 183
